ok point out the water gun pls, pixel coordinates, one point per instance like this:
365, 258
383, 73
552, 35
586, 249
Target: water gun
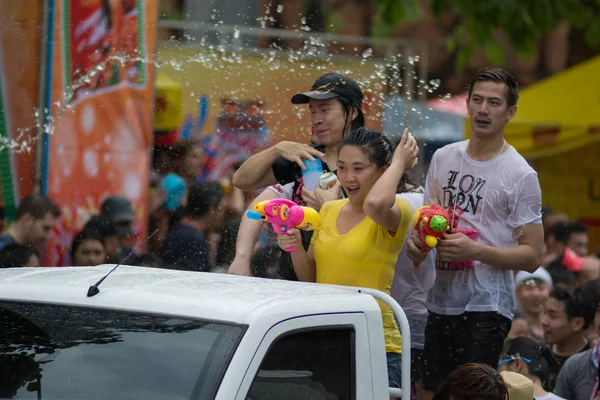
284, 214
431, 222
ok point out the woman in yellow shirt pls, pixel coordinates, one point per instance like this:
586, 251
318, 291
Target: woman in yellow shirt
360, 237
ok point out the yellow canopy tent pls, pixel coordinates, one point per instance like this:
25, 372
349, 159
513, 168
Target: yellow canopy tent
557, 127
558, 114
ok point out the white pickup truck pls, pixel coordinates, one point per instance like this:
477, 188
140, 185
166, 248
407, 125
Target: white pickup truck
162, 334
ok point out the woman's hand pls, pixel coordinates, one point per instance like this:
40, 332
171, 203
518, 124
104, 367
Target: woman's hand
407, 151
296, 152
290, 239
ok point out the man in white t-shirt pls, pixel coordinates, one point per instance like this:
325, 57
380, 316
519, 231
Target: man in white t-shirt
494, 200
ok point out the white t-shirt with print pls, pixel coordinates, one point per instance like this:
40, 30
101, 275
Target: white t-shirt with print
283, 191
495, 197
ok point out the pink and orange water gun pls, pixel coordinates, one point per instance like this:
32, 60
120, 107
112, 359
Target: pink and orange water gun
284, 215
431, 222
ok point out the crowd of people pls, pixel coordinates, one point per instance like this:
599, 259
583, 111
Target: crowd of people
509, 294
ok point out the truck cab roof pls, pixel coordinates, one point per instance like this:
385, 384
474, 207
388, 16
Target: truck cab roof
217, 297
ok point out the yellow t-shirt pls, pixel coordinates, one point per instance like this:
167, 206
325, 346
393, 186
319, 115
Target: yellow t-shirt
365, 256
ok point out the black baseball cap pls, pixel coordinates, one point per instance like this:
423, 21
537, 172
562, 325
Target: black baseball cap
333, 85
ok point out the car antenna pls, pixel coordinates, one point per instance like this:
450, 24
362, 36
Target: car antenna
93, 290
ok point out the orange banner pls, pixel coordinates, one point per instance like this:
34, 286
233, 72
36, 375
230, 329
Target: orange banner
20, 23
101, 121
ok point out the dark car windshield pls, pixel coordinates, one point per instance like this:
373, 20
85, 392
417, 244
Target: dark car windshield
61, 352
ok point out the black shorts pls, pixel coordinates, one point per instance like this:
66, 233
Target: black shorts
454, 340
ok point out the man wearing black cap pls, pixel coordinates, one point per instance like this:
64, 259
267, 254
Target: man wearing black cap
118, 210
109, 232
335, 104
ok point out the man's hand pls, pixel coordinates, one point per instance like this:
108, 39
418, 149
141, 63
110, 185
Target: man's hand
296, 152
319, 197
240, 267
457, 247
413, 248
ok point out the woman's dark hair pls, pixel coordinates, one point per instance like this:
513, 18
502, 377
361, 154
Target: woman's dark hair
539, 355
377, 146
347, 106
472, 382
16, 255
85, 234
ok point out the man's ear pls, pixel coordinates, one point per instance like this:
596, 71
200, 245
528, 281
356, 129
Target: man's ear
353, 113
511, 113
577, 323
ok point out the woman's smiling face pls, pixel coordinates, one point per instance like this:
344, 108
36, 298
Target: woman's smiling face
356, 172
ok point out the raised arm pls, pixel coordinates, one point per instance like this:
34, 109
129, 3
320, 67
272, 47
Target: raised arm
257, 171
380, 204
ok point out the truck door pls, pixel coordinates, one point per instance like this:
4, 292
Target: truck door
313, 357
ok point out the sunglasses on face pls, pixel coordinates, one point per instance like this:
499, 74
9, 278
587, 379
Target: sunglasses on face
505, 358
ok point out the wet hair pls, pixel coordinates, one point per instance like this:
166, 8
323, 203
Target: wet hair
473, 382
576, 305
497, 75
85, 234
377, 146
202, 197
37, 206
560, 273
16, 255
347, 106
266, 258
564, 230
539, 354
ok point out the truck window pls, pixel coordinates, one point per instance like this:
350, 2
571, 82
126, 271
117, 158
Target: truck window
62, 352
308, 364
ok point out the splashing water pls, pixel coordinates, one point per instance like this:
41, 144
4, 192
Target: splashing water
220, 55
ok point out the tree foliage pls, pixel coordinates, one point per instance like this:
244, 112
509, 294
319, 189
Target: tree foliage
523, 22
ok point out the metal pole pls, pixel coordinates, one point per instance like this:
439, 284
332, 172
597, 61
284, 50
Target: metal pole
43, 101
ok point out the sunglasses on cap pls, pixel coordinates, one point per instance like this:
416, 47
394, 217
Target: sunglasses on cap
505, 358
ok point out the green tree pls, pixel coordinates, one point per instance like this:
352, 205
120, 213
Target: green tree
523, 22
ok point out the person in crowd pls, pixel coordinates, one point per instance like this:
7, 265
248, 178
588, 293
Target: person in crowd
568, 316
359, 238
562, 277
87, 249
187, 160
109, 231
226, 247
571, 245
533, 290
578, 378
591, 292
34, 221
119, 211
186, 243
334, 102
494, 200
472, 381
531, 359
19, 255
